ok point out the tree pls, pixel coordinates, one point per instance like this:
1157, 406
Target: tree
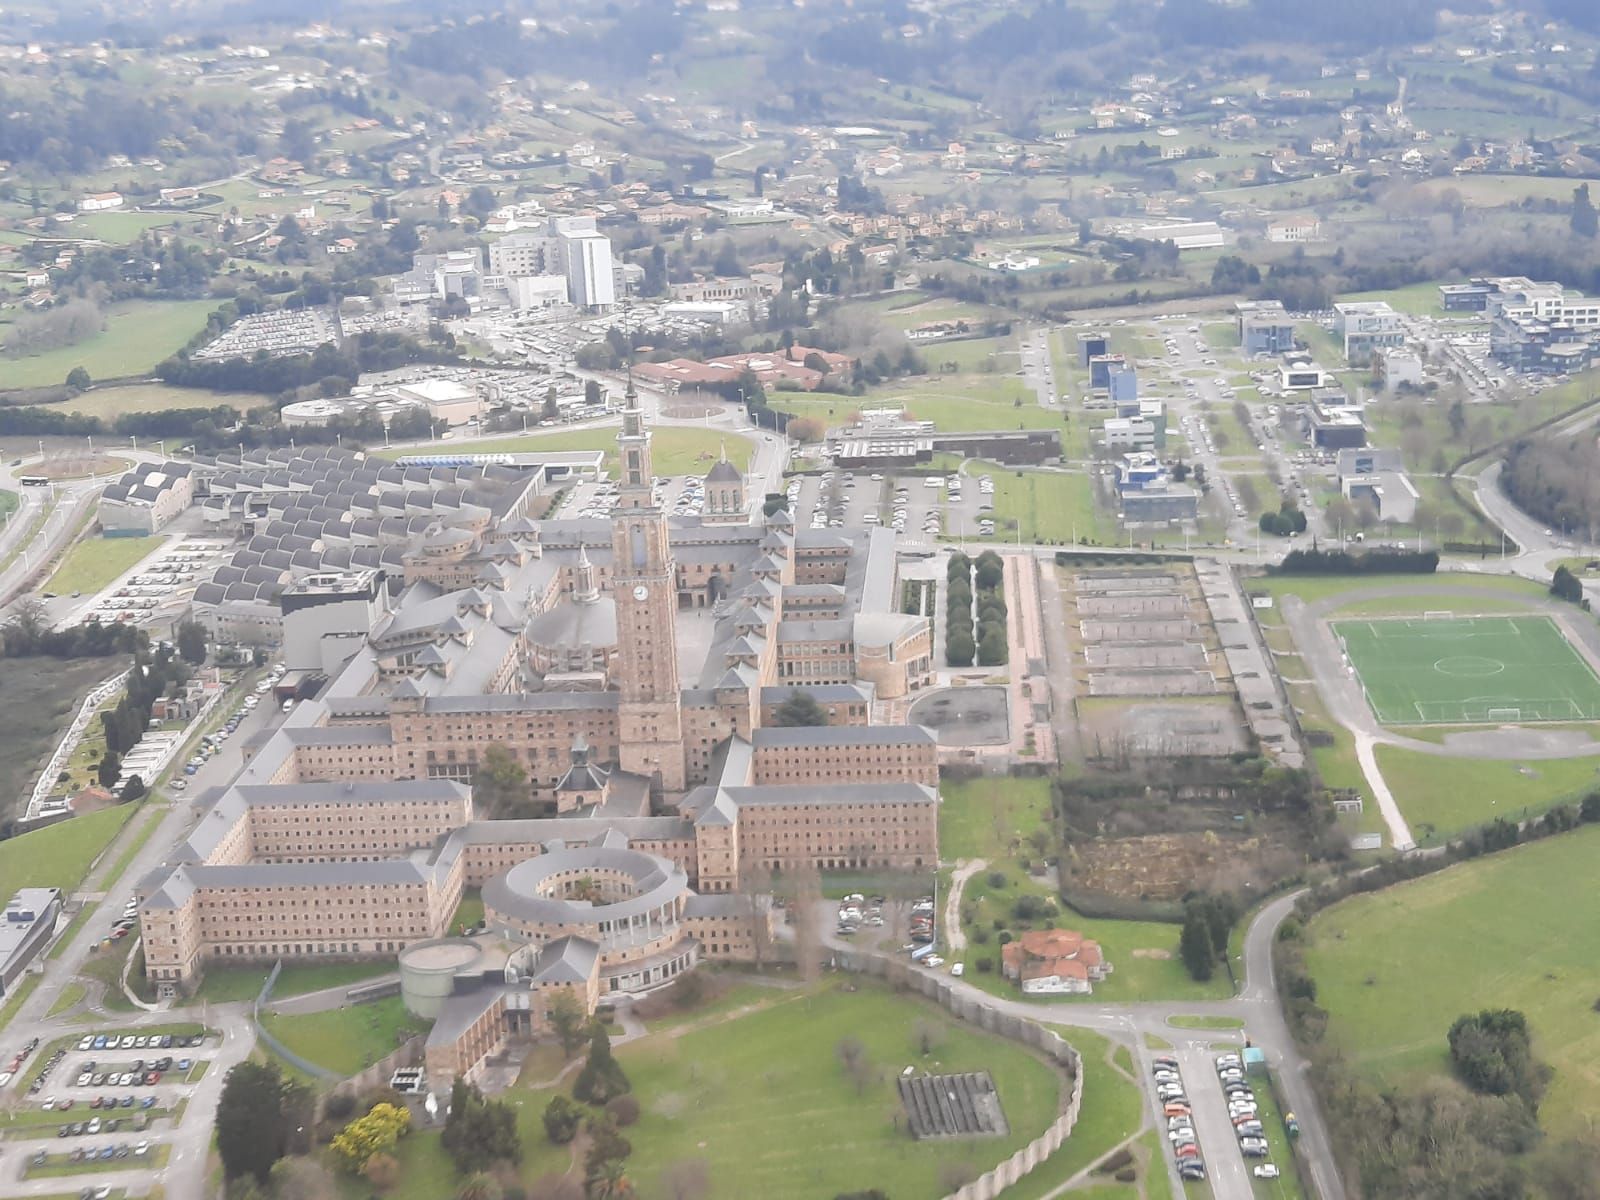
192, 642
569, 1020
992, 647
1566, 586
478, 1130
1492, 1053
110, 767
852, 1055
1585, 221
561, 1119
593, 393
479, 1187
500, 783
382, 1171
958, 649
133, 790
375, 1133
622, 1111
301, 1179
602, 1076
604, 1166
252, 1120
1194, 946
78, 379
800, 709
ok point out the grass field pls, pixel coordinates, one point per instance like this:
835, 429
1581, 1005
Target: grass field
59, 855
1465, 670
95, 561
137, 336
1047, 506
1441, 796
223, 984
772, 1079
1520, 929
112, 402
676, 449
41, 696
345, 1040
982, 818
1111, 1118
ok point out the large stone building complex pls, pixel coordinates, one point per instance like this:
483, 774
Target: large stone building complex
633, 669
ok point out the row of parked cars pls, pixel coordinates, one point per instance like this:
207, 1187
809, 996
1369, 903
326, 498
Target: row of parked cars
43, 1077
96, 1153
1180, 1118
1243, 1113
15, 1065
105, 1103
97, 1125
138, 1041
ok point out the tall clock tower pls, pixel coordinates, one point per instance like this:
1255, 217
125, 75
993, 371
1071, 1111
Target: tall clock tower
644, 583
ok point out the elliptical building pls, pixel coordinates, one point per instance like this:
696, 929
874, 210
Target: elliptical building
633, 670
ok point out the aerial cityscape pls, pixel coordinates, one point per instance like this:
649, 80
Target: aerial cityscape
804, 599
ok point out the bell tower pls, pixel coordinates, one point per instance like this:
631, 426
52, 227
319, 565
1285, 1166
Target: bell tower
644, 583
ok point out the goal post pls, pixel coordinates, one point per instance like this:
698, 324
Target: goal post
1438, 614
1504, 714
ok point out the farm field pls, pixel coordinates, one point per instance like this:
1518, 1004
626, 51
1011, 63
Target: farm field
137, 336
1518, 929
1461, 670
94, 562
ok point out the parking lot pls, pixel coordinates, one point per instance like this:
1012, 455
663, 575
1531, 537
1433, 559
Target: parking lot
920, 507
162, 584
103, 1104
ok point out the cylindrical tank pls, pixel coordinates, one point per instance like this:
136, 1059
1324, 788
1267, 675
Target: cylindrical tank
428, 973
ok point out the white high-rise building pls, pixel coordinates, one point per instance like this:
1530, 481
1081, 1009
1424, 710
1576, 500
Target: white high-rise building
569, 247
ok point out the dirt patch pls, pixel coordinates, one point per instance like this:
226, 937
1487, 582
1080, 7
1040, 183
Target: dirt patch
1166, 867
79, 465
1147, 952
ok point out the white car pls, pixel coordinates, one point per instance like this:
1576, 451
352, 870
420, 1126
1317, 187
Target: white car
959, 970
933, 960
1266, 1171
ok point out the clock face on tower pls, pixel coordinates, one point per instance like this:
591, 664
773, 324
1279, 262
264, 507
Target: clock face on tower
641, 592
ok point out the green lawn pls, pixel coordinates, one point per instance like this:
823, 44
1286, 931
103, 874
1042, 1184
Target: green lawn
137, 336
345, 1040
772, 1080
71, 994
1048, 506
676, 449
1112, 1110
1312, 588
1470, 669
112, 402
1205, 1022
1143, 954
16, 997
59, 855
961, 403
470, 911
224, 984
1520, 929
982, 818
95, 562
1287, 1186
1441, 795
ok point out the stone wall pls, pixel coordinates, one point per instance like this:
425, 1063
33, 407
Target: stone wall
974, 1008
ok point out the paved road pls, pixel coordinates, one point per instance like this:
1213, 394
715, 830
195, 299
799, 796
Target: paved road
185, 1173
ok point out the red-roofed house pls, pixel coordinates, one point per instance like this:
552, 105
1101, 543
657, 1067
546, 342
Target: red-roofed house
1046, 961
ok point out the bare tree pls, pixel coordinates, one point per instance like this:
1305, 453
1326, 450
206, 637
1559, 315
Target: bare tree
689, 1179
551, 1186
857, 1066
801, 890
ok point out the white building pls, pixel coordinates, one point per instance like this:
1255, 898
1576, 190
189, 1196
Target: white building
99, 201
570, 249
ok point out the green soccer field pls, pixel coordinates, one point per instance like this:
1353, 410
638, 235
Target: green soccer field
1466, 670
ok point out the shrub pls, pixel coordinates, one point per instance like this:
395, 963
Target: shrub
623, 1111
985, 965
997, 879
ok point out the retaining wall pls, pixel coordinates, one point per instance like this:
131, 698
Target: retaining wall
961, 1003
